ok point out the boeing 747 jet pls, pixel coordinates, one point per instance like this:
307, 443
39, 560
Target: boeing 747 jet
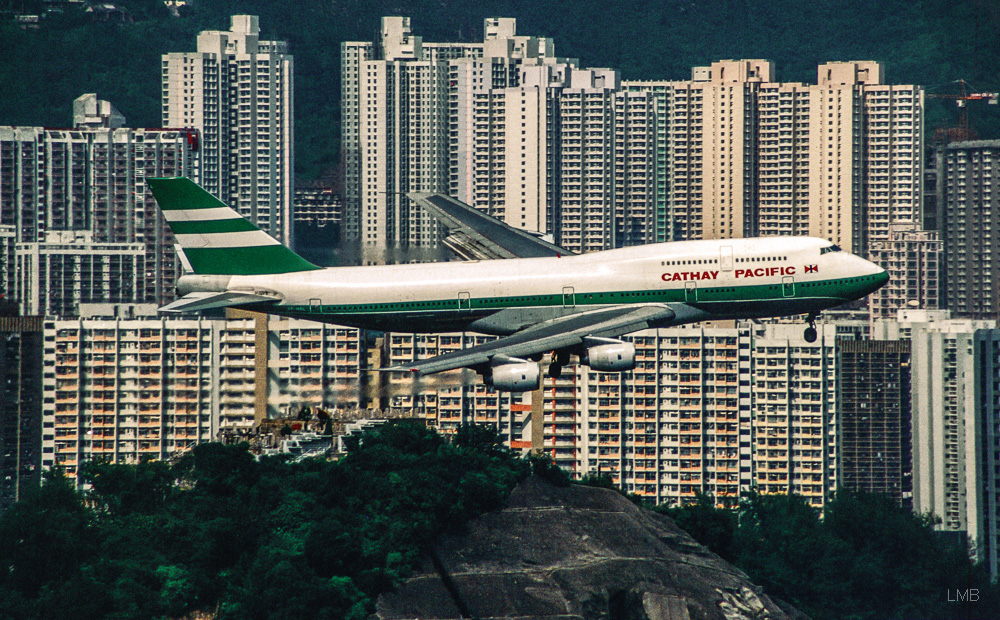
536, 296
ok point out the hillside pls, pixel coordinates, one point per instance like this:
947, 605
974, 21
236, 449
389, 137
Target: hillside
933, 43
406, 512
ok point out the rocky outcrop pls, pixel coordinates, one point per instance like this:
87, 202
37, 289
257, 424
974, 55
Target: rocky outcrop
572, 553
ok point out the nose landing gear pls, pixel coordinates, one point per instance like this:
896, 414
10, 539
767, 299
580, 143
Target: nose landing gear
810, 334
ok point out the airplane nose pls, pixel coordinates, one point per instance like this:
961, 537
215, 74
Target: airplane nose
878, 278
882, 278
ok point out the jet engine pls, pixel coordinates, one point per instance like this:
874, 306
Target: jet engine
608, 354
513, 374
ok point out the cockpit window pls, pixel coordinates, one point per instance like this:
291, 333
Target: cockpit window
830, 248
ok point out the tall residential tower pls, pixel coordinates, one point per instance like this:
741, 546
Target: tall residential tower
741, 154
394, 106
236, 90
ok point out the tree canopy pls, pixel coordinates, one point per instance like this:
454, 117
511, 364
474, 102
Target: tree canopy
866, 559
222, 532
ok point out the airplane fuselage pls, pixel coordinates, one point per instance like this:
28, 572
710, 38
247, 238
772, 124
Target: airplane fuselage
720, 279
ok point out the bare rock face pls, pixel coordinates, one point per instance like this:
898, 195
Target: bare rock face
576, 553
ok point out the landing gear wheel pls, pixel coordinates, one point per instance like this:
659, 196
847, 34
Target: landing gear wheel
555, 370
810, 334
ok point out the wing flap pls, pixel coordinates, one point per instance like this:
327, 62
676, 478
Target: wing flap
207, 301
473, 235
561, 333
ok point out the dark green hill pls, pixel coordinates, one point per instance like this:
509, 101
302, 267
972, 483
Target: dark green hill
932, 42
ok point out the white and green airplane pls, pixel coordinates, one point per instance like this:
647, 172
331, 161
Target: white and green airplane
536, 296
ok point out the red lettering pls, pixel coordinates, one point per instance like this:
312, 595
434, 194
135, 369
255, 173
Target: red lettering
715, 274
739, 273
790, 271
759, 271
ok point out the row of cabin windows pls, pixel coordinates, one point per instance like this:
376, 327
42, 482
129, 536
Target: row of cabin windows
714, 261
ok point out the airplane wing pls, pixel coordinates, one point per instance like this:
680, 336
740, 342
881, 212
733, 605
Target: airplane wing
562, 333
207, 301
473, 235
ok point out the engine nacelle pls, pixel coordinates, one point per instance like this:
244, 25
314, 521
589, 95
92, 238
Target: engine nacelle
608, 354
513, 374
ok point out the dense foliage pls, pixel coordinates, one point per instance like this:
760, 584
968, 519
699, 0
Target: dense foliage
867, 558
222, 532
929, 42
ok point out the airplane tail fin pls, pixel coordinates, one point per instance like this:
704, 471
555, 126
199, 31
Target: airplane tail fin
215, 239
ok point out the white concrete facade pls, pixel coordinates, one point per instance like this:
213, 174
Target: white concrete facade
124, 385
394, 97
93, 179
743, 154
913, 258
955, 417
68, 268
237, 91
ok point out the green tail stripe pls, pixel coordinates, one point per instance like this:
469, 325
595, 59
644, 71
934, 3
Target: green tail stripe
260, 260
211, 226
181, 193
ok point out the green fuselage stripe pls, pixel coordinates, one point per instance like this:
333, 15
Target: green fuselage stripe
212, 226
844, 289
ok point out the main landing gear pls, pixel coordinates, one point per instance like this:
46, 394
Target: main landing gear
810, 334
559, 359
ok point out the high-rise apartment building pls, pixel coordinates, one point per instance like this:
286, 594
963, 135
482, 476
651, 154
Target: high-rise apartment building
237, 92
20, 406
968, 209
394, 101
741, 154
795, 407
504, 125
714, 410
955, 417
67, 268
604, 157
448, 400
553, 148
125, 385
912, 258
874, 430
986, 430
504, 153
318, 206
8, 264
91, 179
128, 390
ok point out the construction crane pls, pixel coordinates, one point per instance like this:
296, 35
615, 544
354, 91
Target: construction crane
963, 131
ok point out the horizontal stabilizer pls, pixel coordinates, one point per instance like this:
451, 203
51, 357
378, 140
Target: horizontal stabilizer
207, 301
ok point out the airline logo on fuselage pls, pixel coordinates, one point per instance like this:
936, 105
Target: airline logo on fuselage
689, 275
758, 272
764, 272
